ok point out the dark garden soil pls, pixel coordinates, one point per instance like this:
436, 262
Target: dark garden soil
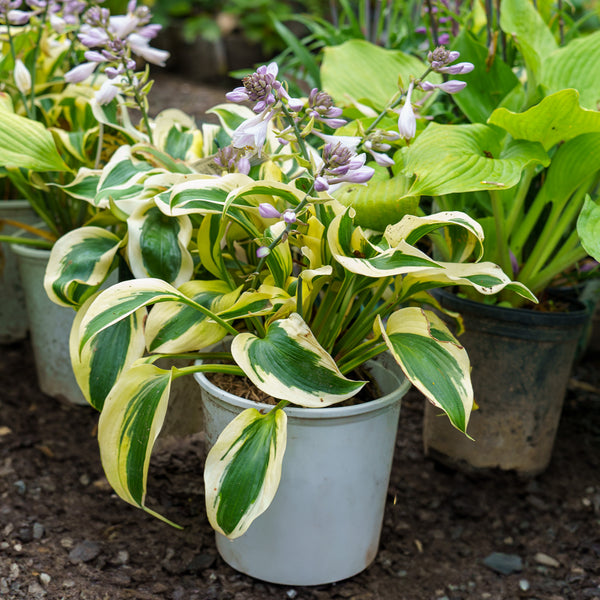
65, 535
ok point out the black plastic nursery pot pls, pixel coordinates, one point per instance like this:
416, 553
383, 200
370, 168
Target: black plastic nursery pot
521, 360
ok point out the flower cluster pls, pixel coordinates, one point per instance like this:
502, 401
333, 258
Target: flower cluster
111, 41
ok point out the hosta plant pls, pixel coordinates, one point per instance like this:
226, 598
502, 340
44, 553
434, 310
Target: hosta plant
68, 72
252, 246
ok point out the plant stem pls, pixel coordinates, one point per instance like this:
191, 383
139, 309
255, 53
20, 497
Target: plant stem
14, 57
363, 353
35, 57
501, 241
231, 369
518, 200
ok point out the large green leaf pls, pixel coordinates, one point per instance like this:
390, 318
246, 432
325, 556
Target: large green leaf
474, 158
79, 263
487, 85
432, 360
27, 144
289, 364
360, 71
129, 424
557, 118
379, 203
588, 228
532, 36
243, 469
573, 67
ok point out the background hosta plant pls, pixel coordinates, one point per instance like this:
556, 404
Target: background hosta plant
257, 250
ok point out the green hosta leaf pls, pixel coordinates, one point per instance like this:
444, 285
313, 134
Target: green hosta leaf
250, 304
411, 229
532, 36
379, 203
289, 364
588, 228
486, 277
231, 116
348, 73
571, 67
79, 263
557, 118
116, 115
175, 328
100, 362
85, 187
129, 424
353, 251
243, 470
433, 360
210, 234
125, 298
27, 144
474, 158
487, 85
158, 245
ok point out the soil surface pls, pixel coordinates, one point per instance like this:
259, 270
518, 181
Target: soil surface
446, 536
65, 535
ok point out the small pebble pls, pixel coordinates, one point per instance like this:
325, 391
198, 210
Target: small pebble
503, 563
45, 579
524, 585
291, 593
84, 551
38, 531
547, 561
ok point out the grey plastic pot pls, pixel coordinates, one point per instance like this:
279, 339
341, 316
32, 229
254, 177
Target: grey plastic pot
325, 522
13, 314
521, 361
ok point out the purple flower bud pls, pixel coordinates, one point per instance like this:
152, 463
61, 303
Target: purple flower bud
93, 38
93, 56
453, 86
321, 184
444, 38
237, 95
262, 252
289, 216
268, 211
457, 69
80, 72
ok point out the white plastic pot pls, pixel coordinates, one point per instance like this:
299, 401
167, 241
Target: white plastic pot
50, 327
325, 521
13, 314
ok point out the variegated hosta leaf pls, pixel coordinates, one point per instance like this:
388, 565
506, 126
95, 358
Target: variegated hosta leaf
289, 364
85, 187
79, 262
265, 191
249, 304
432, 359
200, 196
354, 252
158, 245
486, 277
175, 328
411, 229
243, 469
312, 281
210, 234
101, 361
122, 299
129, 424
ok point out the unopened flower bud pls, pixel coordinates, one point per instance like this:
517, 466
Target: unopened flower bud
22, 77
407, 122
289, 216
268, 211
262, 252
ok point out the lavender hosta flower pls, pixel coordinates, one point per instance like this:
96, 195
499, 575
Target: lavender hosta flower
140, 45
440, 60
450, 87
377, 145
107, 92
17, 17
321, 107
407, 122
341, 164
232, 160
252, 133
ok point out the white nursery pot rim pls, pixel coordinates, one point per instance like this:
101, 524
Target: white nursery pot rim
330, 412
